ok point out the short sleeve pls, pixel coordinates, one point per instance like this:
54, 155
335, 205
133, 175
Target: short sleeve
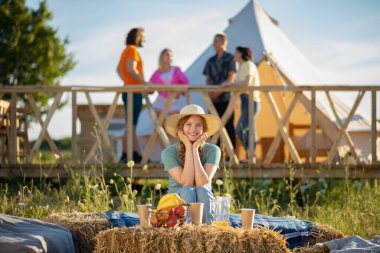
252, 69
132, 53
213, 155
206, 70
232, 65
170, 158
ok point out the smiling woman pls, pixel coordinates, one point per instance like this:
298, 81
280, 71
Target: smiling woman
192, 162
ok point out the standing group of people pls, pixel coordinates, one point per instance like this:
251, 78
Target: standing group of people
221, 69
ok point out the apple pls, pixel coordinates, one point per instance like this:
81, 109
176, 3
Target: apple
154, 221
163, 215
172, 221
180, 211
171, 211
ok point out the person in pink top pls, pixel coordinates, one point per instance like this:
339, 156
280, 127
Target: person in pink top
166, 74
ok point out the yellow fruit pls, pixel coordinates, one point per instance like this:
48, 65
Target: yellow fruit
169, 201
168, 204
169, 196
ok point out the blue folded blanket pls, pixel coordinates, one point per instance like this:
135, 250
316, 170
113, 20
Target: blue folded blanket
295, 232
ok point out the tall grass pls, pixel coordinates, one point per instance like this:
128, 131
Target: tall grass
352, 206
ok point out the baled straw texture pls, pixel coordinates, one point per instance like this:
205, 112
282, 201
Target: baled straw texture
190, 239
83, 226
320, 233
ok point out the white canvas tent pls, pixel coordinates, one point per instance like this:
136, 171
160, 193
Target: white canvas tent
254, 28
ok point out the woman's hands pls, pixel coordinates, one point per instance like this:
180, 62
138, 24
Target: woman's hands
199, 142
184, 139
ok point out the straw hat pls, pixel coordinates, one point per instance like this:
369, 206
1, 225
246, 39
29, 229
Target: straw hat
213, 122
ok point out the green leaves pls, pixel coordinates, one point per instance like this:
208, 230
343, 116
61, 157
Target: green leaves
31, 53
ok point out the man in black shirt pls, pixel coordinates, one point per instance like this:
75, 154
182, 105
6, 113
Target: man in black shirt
221, 68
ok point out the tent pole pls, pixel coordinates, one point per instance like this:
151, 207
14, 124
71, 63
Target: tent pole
313, 145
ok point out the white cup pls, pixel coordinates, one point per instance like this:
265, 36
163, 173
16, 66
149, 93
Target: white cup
247, 217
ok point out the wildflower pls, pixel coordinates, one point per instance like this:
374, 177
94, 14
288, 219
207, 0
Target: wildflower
343, 150
219, 182
56, 156
158, 187
111, 181
80, 205
125, 198
114, 174
130, 164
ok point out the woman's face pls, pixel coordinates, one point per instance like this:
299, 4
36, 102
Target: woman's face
166, 58
237, 56
193, 127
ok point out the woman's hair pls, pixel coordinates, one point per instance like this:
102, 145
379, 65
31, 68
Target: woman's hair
246, 53
134, 36
166, 50
181, 145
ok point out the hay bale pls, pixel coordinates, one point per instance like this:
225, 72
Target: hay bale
84, 226
324, 233
189, 238
320, 233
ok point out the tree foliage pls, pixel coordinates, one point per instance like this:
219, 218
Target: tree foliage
31, 53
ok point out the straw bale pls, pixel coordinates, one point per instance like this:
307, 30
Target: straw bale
320, 233
83, 226
189, 238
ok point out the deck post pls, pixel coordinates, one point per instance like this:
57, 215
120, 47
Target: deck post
373, 129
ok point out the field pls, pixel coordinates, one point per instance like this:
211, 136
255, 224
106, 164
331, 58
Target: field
352, 206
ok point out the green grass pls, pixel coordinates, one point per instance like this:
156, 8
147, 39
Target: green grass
352, 206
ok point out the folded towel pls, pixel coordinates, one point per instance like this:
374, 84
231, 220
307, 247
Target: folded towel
352, 244
32, 236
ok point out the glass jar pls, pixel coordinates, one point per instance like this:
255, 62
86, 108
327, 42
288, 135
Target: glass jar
221, 210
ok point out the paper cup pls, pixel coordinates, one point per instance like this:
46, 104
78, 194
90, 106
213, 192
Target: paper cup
196, 213
143, 214
247, 217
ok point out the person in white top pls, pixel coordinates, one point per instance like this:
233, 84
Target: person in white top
168, 75
247, 75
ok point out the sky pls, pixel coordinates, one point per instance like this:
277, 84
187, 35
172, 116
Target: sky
341, 38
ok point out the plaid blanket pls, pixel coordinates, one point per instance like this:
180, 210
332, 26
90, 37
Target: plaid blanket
295, 232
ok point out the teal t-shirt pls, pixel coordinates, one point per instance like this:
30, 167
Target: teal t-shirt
170, 157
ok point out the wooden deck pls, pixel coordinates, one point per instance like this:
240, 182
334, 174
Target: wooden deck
238, 171
305, 95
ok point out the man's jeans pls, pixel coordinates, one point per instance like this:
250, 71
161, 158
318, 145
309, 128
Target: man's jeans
243, 123
199, 195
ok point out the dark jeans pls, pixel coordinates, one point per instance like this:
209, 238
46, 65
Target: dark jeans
221, 108
243, 123
137, 105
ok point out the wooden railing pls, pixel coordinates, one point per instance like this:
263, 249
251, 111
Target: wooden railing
303, 94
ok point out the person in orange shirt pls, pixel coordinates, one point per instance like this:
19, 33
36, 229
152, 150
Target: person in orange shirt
130, 70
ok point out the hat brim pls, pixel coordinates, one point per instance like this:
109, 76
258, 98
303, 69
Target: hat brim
213, 123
